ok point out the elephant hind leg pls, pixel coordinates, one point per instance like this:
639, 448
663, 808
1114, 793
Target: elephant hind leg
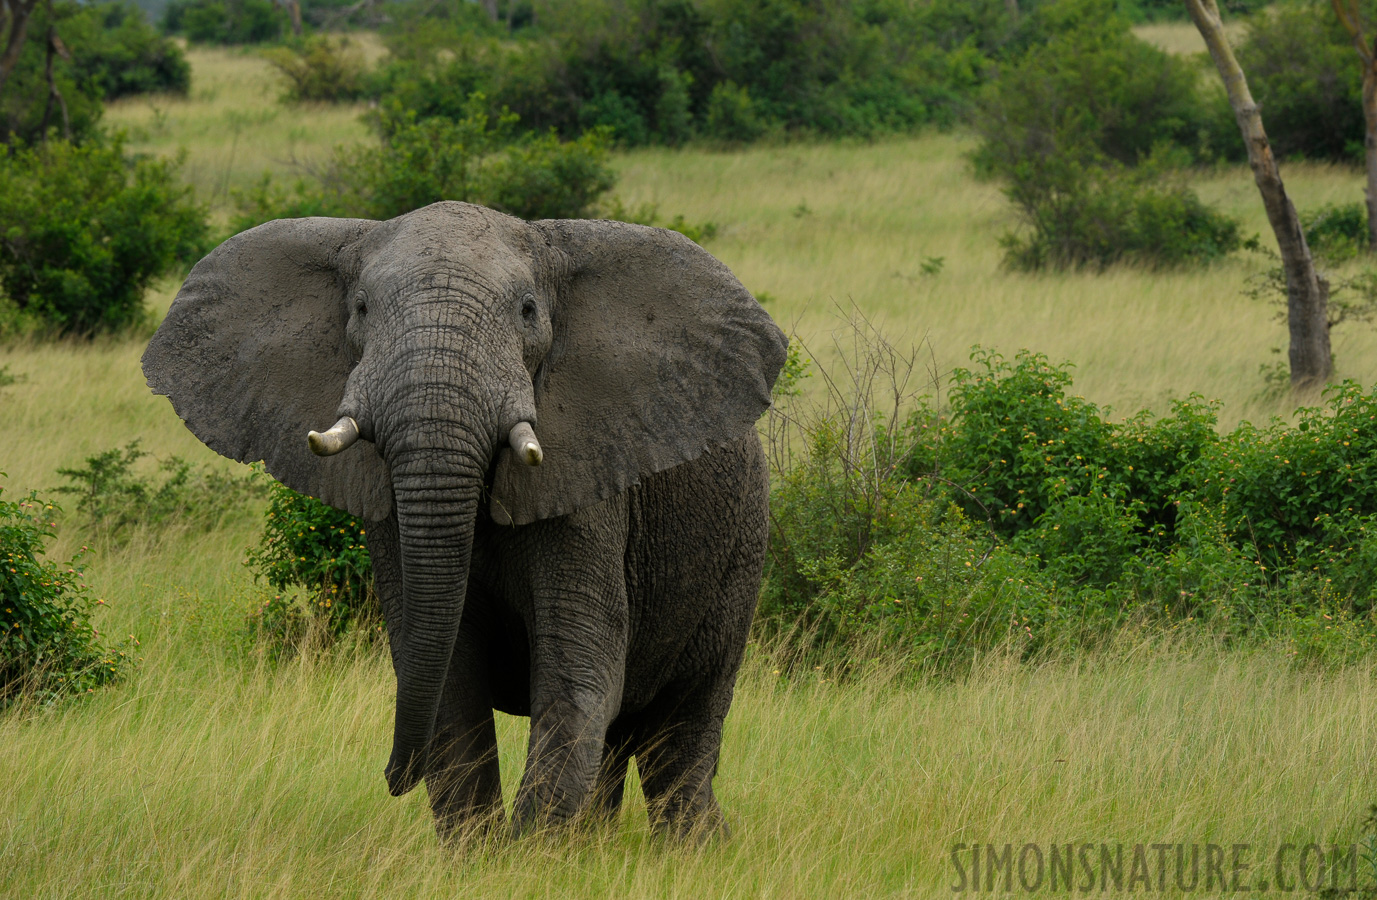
605, 804
677, 764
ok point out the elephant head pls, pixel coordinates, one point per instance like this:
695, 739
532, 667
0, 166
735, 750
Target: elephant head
474, 365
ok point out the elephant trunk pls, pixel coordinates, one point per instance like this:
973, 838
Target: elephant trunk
437, 496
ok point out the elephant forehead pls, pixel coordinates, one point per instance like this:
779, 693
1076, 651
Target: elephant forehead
448, 244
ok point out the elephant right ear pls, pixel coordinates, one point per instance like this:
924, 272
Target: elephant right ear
252, 355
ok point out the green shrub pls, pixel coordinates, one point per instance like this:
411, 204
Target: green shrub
1022, 513
114, 497
1018, 445
1085, 129
542, 177
662, 71
1290, 490
48, 646
226, 21
1336, 231
1303, 70
478, 159
1080, 215
731, 117
320, 69
86, 230
315, 558
114, 47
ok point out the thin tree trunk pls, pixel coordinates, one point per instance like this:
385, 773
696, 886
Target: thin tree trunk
294, 10
1370, 146
1307, 292
18, 22
55, 48
491, 7
1351, 19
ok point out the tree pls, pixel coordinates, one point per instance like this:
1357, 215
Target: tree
1307, 292
1352, 20
14, 25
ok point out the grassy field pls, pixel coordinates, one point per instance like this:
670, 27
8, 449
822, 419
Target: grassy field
209, 772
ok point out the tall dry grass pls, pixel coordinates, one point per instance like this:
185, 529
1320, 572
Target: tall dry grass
212, 774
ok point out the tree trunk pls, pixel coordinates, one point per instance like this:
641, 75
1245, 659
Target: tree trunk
1370, 146
17, 22
491, 7
55, 48
294, 10
1307, 292
1350, 16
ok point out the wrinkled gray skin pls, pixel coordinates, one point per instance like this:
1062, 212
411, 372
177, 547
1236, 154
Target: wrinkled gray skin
607, 592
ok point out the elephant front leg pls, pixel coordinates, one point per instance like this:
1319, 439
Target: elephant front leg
578, 625
576, 691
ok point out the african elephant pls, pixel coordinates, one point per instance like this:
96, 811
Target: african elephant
549, 428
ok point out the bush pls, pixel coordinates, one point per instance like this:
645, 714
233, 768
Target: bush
317, 552
419, 161
1084, 129
111, 52
48, 647
652, 71
86, 230
319, 70
115, 48
1337, 232
226, 21
1022, 514
1077, 215
114, 497
1303, 70
731, 117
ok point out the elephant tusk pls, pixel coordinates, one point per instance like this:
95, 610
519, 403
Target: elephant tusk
341, 436
525, 445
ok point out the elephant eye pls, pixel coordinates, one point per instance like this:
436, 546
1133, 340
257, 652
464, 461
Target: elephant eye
528, 308
361, 304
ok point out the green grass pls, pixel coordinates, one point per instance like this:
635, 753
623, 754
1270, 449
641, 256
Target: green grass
209, 772
233, 127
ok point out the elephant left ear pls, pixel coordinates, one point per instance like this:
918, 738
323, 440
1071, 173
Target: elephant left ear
659, 354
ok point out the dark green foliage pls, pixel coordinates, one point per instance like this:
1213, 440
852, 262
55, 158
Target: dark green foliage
1291, 490
1336, 232
316, 551
111, 51
319, 69
226, 21
664, 71
478, 158
1090, 91
1174, 10
115, 48
1304, 71
27, 112
1084, 129
114, 497
85, 230
1083, 215
48, 646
